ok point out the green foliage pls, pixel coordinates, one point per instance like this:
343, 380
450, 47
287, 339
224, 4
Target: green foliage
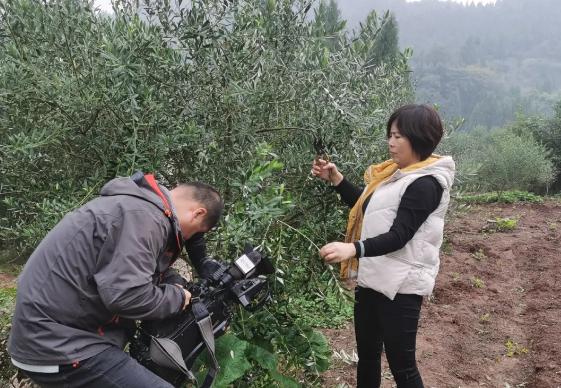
477, 282
512, 196
231, 93
237, 358
233, 360
500, 160
482, 63
7, 302
506, 224
514, 349
329, 25
546, 131
322, 310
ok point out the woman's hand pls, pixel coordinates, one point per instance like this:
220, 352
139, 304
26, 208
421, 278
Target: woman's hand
327, 171
336, 252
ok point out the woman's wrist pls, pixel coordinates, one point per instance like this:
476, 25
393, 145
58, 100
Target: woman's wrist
337, 179
359, 248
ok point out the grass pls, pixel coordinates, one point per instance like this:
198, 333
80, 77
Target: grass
7, 303
514, 349
455, 276
11, 262
504, 224
477, 282
500, 197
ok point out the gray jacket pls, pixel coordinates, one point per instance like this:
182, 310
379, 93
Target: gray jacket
95, 271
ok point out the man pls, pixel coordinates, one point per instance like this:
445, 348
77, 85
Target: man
103, 266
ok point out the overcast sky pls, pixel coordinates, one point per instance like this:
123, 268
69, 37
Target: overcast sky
105, 5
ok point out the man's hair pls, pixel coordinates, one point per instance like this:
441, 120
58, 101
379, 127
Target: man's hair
208, 197
421, 125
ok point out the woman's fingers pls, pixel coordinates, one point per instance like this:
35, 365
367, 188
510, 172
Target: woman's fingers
329, 253
335, 252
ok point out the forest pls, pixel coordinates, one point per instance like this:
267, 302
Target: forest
483, 63
244, 95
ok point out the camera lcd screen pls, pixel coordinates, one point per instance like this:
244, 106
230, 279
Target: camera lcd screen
245, 264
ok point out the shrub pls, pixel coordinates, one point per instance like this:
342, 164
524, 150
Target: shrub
236, 94
501, 160
512, 196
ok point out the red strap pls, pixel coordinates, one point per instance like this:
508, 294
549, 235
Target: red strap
167, 209
113, 321
152, 182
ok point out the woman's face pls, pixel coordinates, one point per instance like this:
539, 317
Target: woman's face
400, 148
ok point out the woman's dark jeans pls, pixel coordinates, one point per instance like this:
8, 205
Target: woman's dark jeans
111, 368
381, 323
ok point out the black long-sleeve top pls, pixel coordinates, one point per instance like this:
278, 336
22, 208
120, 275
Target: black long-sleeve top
420, 199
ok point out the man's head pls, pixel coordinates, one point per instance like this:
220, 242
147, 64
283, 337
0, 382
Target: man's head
198, 206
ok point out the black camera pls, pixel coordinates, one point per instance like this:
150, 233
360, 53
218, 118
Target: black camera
169, 347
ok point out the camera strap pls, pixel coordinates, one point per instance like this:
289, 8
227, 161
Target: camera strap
202, 317
149, 178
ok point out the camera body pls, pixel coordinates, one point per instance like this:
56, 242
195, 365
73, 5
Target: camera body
220, 287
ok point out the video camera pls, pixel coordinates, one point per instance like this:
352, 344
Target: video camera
169, 347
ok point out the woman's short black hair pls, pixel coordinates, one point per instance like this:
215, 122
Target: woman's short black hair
421, 125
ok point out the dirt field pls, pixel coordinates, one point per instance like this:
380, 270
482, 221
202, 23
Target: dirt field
495, 317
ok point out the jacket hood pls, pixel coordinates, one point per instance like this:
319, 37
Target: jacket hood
127, 186
444, 170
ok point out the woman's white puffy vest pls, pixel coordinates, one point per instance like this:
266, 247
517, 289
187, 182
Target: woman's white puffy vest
413, 268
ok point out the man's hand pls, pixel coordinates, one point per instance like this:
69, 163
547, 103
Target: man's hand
336, 252
187, 297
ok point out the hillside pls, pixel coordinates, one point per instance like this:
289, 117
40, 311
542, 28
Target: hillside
483, 63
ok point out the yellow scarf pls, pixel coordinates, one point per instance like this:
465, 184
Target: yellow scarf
374, 175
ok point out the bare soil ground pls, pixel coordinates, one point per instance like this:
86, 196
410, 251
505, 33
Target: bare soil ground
495, 317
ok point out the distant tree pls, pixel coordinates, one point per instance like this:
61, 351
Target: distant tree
470, 53
386, 45
329, 24
548, 132
515, 39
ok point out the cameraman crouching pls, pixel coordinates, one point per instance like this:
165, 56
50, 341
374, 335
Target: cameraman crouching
103, 266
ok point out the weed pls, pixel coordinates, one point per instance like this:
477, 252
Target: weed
499, 224
506, 224
446, 247
514, 349
477, 282
455, 276
479, 255
501, 197
7, 302
485, 318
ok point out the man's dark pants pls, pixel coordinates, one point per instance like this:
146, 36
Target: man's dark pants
112, 368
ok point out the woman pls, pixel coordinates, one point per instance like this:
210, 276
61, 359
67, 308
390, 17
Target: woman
395, 231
